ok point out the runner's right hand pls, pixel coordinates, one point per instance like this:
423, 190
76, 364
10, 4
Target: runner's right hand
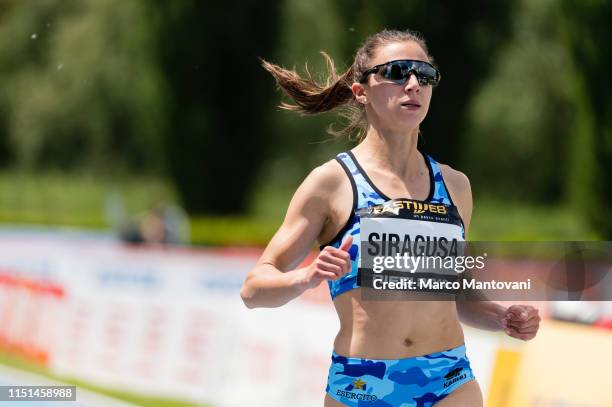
331, 264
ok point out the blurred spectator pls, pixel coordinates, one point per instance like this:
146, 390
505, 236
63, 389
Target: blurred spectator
161, 224
153, 226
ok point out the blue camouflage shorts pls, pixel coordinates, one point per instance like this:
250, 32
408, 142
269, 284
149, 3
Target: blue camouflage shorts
419, 381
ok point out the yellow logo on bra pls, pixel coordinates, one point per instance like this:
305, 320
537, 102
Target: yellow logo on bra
416, 207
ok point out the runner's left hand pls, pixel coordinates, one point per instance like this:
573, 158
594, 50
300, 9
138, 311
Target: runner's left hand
521, 322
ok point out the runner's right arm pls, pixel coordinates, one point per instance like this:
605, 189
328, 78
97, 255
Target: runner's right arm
274, 280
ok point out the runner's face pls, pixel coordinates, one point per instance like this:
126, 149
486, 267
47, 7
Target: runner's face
393, 106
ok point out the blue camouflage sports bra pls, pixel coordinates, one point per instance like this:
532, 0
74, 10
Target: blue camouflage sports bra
366, 194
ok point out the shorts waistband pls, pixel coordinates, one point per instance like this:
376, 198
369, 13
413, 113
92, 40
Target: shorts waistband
458, 350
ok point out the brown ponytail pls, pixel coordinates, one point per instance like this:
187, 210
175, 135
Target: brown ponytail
311, 97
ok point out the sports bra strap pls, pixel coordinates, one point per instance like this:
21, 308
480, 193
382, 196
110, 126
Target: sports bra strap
440, 193
366, 193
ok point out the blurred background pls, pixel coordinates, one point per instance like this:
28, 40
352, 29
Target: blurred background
146, 134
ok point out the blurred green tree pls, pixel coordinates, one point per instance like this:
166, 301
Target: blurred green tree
520, 119
588, 32
80, 87
219, 97
5, 153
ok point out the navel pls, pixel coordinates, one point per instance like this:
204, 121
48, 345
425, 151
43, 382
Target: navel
407, 342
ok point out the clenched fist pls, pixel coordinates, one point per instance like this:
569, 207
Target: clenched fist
331, 264
521, 322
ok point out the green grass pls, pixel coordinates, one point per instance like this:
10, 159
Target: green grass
508, 221
79, 200
137, 399
74, 200
234, 231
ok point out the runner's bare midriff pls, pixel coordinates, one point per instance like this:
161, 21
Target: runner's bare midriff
395, 329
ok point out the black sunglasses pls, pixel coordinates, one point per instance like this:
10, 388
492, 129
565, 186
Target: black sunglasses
400, 70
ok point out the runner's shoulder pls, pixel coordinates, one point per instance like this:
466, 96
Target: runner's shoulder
458, 185
455, 179
326, 178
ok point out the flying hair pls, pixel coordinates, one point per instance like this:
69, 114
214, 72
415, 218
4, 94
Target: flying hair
311, 97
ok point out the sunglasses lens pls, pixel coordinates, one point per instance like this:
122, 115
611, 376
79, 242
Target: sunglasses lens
427, 74
396, 72
400, 71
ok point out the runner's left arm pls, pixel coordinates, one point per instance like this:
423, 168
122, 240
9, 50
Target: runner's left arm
473, 308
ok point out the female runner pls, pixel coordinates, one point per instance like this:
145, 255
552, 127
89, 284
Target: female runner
387, 353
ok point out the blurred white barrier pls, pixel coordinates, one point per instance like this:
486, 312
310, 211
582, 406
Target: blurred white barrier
169, 322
